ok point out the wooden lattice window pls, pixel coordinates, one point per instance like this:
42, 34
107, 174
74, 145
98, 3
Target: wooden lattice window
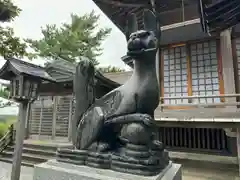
175, 74
204, 71
191, 70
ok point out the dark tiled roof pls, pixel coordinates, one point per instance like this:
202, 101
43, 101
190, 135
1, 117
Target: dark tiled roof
22, 67
63, 71
119, 77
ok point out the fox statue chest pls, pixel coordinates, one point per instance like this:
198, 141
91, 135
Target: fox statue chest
142, 93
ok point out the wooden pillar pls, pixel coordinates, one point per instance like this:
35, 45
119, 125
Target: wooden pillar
158, 59
227, 66
70, 119
55, 101
27, 124
238, 149
228, 76
40, 120
20, 131
157, 66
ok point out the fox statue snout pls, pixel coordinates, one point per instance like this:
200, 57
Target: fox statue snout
142, 41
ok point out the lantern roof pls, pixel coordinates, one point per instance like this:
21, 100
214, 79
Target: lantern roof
18, 67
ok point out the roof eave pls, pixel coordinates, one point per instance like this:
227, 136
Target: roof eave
6, 68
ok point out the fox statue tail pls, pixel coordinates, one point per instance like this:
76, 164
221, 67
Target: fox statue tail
84, 92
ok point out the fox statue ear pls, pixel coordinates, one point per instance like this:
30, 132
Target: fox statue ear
150, 21
132, 25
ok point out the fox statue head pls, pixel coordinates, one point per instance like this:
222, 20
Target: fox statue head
141, 42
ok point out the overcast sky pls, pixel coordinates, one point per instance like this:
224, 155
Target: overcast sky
37, 13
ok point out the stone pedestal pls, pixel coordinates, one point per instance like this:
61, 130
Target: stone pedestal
53, 170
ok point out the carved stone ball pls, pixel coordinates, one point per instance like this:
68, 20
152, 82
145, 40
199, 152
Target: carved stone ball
136, 133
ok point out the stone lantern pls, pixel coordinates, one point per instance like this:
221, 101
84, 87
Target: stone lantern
24, 88
25, 79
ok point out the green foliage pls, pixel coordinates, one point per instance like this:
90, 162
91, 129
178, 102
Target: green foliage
10, 45
8, 10
4, 93
110, 69
3, 129
72, 40
6, 123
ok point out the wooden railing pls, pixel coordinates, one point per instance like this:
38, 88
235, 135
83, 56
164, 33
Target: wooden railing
227, 106
202, 105
7, 139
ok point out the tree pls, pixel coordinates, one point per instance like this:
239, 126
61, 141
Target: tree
72, 40
110, 69
10, 45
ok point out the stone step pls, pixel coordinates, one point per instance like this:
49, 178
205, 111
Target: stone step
32, 153
41, 146
28, 157
10, 160
47, 153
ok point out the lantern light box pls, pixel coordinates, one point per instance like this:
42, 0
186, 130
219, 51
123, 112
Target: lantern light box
25, 79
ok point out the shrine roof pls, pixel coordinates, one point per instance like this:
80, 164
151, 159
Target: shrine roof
63, 71
119, 77
20, 67
117, 10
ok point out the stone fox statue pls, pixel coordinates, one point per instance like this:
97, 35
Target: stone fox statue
126, 114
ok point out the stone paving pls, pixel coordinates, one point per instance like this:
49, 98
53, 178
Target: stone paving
188, 173
209, 174
5, 172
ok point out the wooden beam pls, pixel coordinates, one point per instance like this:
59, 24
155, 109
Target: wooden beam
191, 114
121, 4
189, 72
220, 71
198, 124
